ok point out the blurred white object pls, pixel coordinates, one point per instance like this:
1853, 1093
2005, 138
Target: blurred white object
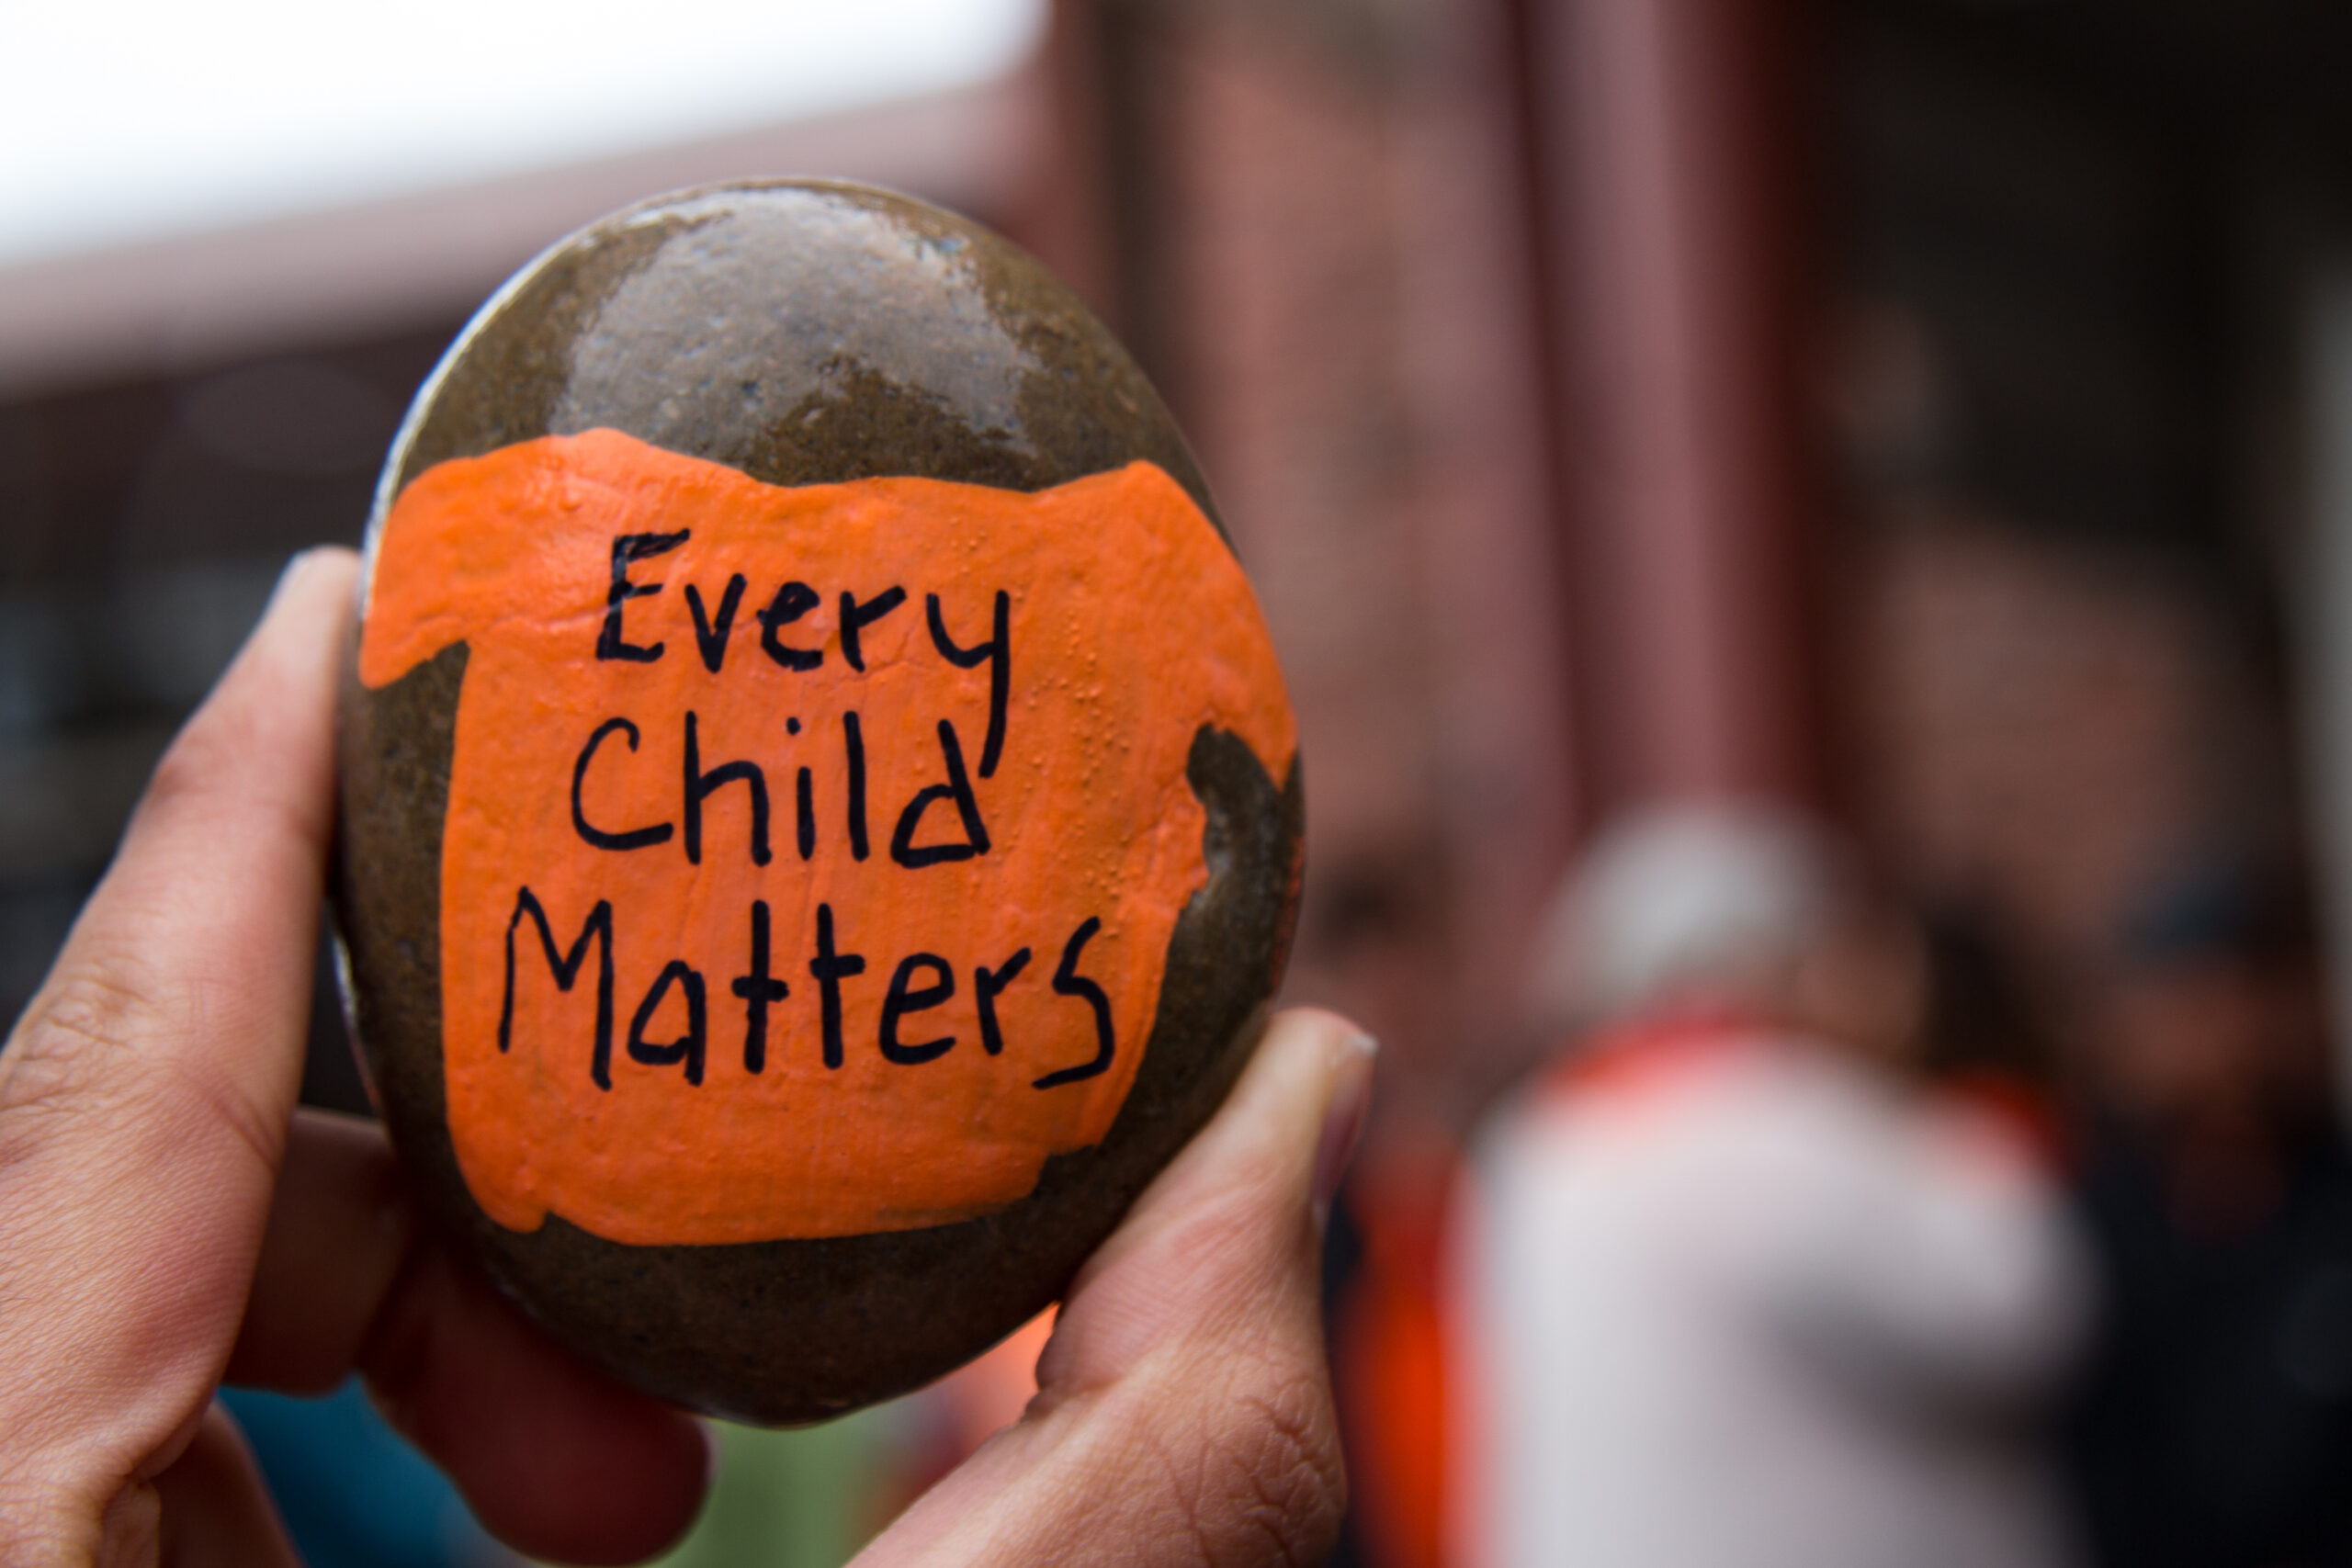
1714, 898
1729, 1295
123, 119
184, 184
1757, 1313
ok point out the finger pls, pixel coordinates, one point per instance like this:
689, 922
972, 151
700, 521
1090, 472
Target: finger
215, 1511
339, 1225
1185, 1410
143, 1094
555, 1457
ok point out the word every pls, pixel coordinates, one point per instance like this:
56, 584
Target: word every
791, 601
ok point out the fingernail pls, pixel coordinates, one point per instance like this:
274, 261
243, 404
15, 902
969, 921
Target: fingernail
1343, 1123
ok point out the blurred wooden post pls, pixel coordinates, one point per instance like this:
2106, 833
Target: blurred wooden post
1094, 206
1664, 149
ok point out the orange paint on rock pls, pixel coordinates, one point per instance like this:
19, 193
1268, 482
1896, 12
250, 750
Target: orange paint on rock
1130, 628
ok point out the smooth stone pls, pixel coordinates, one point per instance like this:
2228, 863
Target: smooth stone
826, 343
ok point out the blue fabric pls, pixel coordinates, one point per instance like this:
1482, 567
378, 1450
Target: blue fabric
352, 1494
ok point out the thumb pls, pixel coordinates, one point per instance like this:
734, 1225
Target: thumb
1184, 1411
1227, 1243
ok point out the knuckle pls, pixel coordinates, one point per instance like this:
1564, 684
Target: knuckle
64, 1051
1273, 1485
80, 1056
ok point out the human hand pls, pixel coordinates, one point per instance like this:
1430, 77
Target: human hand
167, 1220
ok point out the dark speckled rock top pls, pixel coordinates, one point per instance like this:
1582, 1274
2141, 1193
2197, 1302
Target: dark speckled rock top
822, 819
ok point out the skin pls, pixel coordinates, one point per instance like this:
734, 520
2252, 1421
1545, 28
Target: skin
168, 1219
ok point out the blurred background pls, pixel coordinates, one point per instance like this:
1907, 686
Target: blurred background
1930, 417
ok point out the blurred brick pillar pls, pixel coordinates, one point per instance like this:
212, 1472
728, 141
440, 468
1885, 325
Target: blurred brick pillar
1665, 148
1062, 208
1317, 222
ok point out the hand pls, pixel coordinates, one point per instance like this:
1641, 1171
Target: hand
167, 1220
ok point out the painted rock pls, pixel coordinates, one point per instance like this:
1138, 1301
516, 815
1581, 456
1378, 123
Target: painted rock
820, 812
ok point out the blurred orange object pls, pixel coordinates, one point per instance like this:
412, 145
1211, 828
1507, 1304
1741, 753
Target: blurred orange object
1387, 1353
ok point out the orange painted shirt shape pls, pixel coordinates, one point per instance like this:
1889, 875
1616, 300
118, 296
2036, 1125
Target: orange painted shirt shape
673, 778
